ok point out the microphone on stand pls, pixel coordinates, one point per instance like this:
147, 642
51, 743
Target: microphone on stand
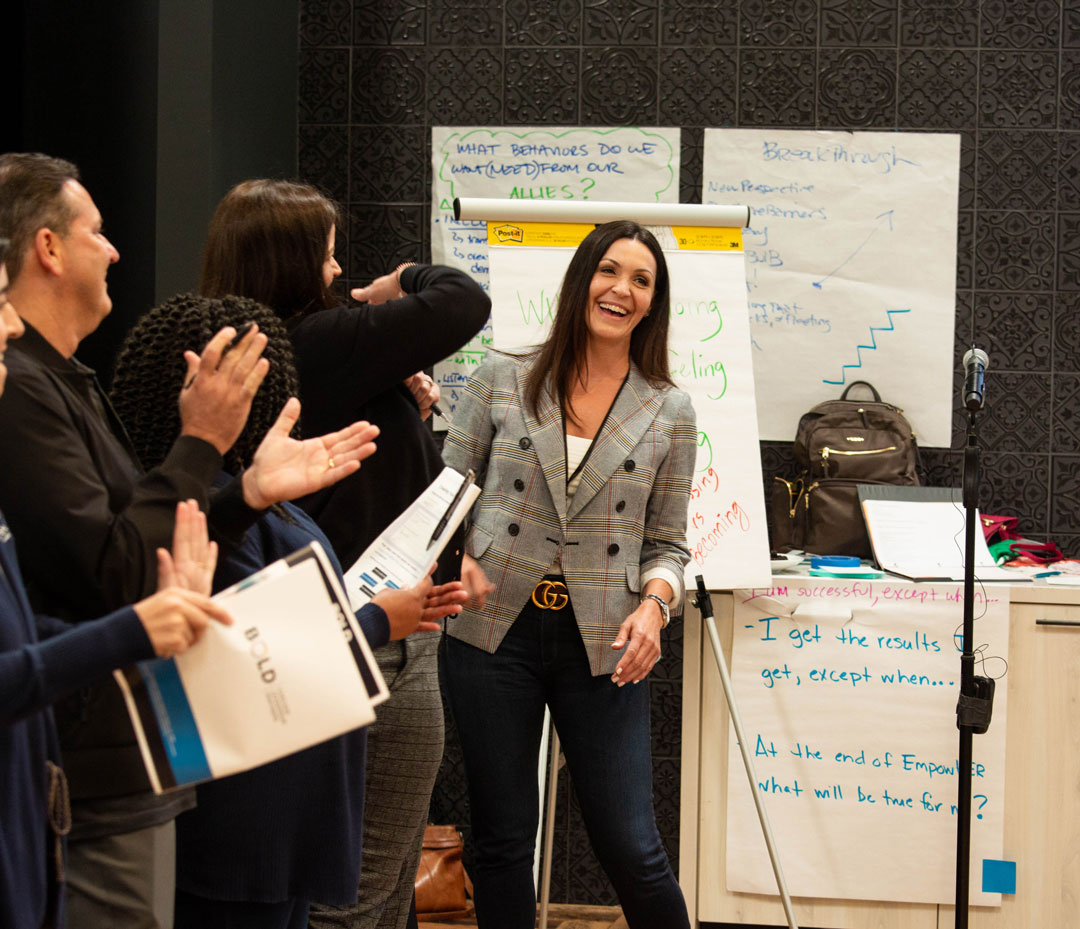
975, 365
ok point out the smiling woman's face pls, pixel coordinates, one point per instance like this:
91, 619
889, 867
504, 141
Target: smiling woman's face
621, 291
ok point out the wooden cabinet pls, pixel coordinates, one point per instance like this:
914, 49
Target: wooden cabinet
1042, 784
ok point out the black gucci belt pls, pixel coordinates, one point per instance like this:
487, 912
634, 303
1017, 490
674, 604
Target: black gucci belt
550, 595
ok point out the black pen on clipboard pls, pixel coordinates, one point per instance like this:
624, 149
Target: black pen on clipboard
466, 483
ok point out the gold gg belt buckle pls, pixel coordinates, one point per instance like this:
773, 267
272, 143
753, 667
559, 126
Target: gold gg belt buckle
550, 595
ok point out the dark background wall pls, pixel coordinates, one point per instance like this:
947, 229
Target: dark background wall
375, 75
163, 105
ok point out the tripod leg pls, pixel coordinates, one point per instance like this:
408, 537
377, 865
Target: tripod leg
763, 816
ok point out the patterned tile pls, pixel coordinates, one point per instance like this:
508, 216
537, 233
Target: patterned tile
856, 88
381, 238
1065, 435
1067, 333
778, 22
389, 22
619, 87
1068, 171
1017, 485
1017, 89
934, 88
543, 22
858, 22
388, 164
1071, 36
621, 22
325, 22
587, 883
692, 150
942, 467
1015, 251
1016, 414
1068, 542
542, 86
776, 87
464, 22
965, 245
666, 784
666, 717
1015, 330
697, 87
1065, 496
323, 85
1068, 274
696, 22
388, 86
1069, 95
323, 151
967, 171
943, 23
1017, 170
1019, 23
464, 86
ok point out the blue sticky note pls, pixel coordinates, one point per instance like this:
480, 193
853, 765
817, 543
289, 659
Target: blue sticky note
999, 877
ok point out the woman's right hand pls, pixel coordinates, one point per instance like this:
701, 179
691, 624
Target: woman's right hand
476, 583
175, 619
382, 289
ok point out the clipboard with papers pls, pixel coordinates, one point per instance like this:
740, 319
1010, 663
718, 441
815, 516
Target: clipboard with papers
294, 669
405, 551
918, 533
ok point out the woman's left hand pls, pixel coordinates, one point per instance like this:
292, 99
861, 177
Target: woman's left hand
193, 558
640, 634
426, 392
285, 468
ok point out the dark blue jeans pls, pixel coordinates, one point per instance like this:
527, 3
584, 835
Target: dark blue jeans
498, 704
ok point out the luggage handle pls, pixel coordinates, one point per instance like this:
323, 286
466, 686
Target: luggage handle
873, 390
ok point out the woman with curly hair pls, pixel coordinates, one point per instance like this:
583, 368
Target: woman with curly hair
274, 241
260, 845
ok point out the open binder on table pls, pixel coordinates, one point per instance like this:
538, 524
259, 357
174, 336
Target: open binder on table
918, 533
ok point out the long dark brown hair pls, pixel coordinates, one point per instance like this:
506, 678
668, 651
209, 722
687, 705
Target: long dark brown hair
561, 359
267, 241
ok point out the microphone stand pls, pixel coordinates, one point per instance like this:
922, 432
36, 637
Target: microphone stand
974, 707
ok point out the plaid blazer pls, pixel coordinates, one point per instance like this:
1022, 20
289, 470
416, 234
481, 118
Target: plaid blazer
628, 515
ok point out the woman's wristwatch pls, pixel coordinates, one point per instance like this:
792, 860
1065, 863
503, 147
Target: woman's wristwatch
665, 613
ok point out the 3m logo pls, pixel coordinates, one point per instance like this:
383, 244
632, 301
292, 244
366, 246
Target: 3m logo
509, 233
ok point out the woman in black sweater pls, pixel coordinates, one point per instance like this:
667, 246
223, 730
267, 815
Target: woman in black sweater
274, 241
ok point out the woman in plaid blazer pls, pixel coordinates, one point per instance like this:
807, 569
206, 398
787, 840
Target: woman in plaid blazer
574, 556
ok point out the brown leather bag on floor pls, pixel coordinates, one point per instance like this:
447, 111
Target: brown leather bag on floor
441, 881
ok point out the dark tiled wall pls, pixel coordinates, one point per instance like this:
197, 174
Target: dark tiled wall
375, 75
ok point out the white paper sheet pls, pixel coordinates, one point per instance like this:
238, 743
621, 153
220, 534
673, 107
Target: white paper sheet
851, 266
848, 691
925, 539
404, 552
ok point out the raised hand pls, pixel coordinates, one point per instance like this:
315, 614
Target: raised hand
285, 468
219, 386
382, 289
193, 558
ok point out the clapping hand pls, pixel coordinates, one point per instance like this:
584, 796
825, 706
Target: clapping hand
285, 468
177, 615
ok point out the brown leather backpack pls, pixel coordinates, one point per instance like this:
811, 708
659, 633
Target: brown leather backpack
840, 444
